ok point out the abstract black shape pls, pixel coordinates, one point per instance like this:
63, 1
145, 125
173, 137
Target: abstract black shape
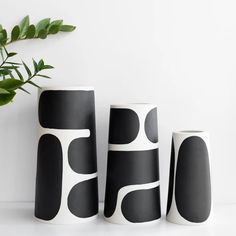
193, 186
124, 126
171, 177
67, 109
151, 125
142, 205
82, 155
128, 168
83, 199
49, 177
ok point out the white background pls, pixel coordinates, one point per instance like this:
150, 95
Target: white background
180, 55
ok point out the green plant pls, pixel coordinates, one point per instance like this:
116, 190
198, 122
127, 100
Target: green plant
11, 77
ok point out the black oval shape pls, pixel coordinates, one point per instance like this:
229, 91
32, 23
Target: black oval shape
142, 205
171, 177
127, 168
82, 155
151, 125
67, 109
124, 126
193, 185
49, 177
83, 199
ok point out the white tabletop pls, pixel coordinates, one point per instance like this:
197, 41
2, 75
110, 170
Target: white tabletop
16, 219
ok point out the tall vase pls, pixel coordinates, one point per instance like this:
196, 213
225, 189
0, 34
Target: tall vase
132, 186
66, 182
189, 197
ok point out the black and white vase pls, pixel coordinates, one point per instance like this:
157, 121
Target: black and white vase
189, 198
132, 186
66, 182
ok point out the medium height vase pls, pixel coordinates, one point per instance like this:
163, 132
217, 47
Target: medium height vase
189, 198
66, 182
132, 187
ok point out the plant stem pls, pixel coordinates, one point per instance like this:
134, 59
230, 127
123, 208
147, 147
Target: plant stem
4, 61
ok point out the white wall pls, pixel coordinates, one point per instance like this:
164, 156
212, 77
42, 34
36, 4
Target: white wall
180, 55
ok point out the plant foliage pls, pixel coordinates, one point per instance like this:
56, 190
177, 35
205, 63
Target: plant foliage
11, 76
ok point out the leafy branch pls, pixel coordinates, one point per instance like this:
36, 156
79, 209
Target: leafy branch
11, 77
25, 30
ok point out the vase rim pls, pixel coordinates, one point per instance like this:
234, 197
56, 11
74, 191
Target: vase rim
128, 105
83, 88
189, 132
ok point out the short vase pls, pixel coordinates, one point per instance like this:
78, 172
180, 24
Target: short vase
189, 197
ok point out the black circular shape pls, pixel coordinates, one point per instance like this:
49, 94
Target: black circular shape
49, 177
193, 185
142, 205
83, 199
82, 155
151, 125
124, 126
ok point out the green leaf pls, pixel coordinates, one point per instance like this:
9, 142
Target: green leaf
1, 28
4, 72
15, 33
30, 32
12, 63
67, 28
11, 84
6, 98
9, 67
35, 66
3, 91
24, 24
45, 67
54, 29
27, 69
32, 83
24, 90
3, 37
19, 74
43, 34
12, 54
56, 22
40, 65
44, 76
43, 24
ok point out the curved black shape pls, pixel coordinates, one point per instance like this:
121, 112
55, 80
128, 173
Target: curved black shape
193, 185
49, 177
83, 199
171, 177
127, 168
142, 205
67, 109
82, 155
124, 126
151, 125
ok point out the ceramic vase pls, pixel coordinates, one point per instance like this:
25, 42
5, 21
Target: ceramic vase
132, 187
189, 197
66, 181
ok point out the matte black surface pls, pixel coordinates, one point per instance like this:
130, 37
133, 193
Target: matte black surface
67, 109
124, 126
82, 155
127, 168
171, 177
83, 199
151, 125
49, 177
142, 205
193, 186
